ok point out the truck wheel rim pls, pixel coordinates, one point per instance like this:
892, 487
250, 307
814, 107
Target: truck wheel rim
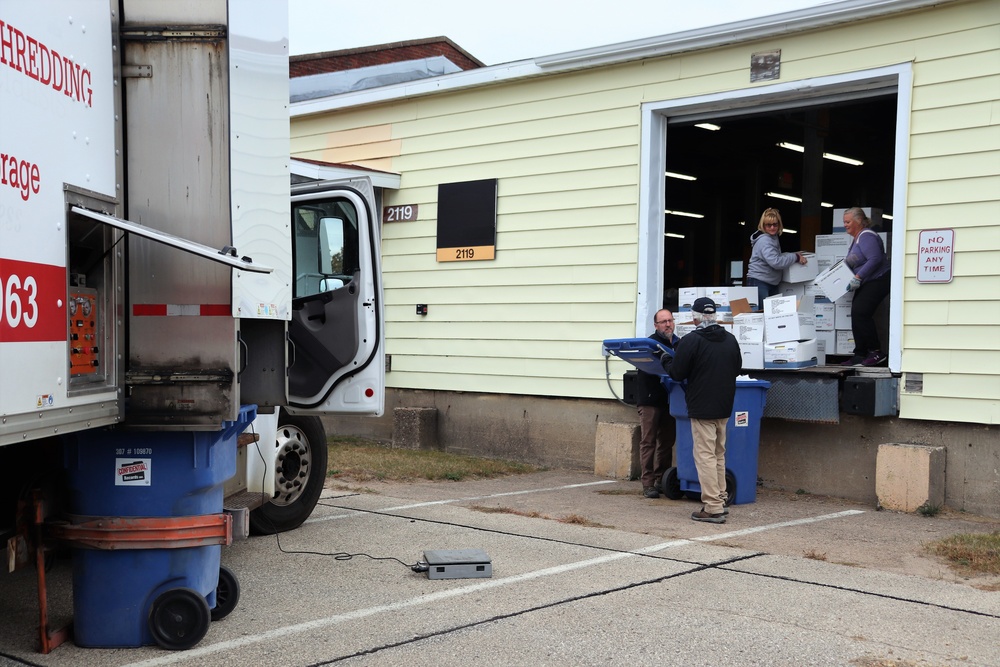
294, 462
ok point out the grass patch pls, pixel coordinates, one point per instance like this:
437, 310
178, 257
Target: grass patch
364, 460
970, 553
929, 510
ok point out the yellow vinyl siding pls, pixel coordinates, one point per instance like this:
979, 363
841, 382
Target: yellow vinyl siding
566, 151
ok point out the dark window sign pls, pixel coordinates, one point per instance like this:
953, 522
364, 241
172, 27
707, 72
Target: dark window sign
400, 213
467, 221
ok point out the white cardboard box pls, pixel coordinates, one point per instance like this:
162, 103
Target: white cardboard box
683, 328
686, 297
784, 328
845, 342
842, 318
753, 355
749, 328
833, 245
833, 283
720, 295
800, 273
826, 341
748, 293
791, 289
790, 354
775, 306
826, 315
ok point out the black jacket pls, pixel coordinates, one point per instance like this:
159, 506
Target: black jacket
649, 388
709, 358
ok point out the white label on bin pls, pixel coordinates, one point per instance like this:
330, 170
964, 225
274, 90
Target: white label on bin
742, 419
133, 472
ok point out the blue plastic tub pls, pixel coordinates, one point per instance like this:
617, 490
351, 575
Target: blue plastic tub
742, 438
120, 473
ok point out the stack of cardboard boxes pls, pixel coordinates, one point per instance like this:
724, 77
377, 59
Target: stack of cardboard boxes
807, 320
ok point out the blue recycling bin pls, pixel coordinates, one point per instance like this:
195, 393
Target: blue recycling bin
122, 473
742, 441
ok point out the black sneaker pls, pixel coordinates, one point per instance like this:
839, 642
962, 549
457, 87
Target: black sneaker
853, 361
650, 492
702, 515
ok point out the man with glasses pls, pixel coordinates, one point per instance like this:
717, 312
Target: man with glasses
656, 426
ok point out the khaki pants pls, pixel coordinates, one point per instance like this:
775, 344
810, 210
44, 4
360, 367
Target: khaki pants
709, 436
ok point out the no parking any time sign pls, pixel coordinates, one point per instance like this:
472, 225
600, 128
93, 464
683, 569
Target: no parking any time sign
934, 257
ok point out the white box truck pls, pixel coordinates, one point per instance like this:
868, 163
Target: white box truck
156, 275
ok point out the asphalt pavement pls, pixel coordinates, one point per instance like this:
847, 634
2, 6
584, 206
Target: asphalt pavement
584, 572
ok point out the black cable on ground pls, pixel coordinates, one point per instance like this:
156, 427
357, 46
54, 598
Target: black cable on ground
521, 612
338, 555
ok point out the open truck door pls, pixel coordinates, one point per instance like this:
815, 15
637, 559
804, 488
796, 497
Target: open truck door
336, 348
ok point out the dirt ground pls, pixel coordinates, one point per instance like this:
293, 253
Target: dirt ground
868, 538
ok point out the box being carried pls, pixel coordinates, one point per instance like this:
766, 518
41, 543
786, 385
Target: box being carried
833, 283
800, 273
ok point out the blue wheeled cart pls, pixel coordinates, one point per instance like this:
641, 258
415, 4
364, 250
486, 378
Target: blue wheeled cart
147, 534
742, 443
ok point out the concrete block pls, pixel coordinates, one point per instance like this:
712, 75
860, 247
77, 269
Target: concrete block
616, 451
415, 428
909, 476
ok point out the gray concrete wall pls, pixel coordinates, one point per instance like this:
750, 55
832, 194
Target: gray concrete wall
828, 459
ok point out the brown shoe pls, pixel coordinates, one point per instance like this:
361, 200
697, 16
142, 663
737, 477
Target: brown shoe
702, 515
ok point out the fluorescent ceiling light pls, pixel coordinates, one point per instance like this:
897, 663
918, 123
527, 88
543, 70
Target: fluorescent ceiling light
708, 126
789, 230
778, 195
829, 156
684, 214
887, 216
840, 158
673, 236
683, 177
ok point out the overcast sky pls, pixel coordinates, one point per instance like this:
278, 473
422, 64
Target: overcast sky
500, 32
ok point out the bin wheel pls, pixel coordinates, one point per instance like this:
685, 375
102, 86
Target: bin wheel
227, 593
730, 488
672, 484
179, 619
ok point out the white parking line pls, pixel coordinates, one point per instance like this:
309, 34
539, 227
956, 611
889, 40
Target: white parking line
279, 633
460, 500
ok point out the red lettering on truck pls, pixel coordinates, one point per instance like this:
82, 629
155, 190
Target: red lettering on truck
42, 63
20, 175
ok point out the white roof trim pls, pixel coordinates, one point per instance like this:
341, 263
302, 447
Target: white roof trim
318, 172
810, 18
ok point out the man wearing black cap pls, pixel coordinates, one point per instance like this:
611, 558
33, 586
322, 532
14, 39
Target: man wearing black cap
709, 359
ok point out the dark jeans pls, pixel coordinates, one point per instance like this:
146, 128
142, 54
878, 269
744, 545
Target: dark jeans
866, 300
764, 290
657, 431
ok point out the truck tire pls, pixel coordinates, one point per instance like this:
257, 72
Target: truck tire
301, 452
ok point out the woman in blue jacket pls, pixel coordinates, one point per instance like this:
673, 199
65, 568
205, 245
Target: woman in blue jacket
766, 260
